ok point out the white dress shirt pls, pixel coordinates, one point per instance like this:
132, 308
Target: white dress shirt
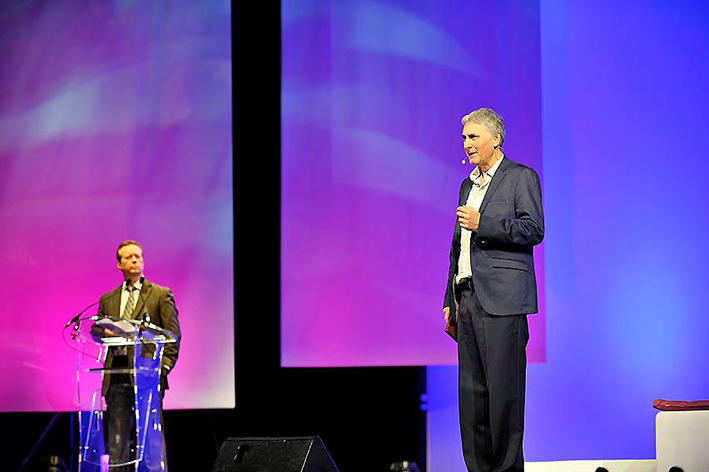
475, 199
125, 293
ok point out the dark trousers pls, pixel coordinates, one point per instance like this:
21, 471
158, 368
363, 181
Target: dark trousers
121, 430
120, 412
492, 365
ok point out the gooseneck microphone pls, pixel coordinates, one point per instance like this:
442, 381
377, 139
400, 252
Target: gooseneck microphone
141, 299
78, 316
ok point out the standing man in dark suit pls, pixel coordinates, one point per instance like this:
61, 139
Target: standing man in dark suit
491, 289
135, 298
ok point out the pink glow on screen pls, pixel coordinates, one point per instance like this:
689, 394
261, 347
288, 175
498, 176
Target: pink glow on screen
119, 130
373, 93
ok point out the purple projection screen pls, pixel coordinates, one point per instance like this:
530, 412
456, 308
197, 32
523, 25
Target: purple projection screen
372, 97
115, 123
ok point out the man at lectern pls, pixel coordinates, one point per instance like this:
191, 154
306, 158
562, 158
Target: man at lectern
491, 289
135, 298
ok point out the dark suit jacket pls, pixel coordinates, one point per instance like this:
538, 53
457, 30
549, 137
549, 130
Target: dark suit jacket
157, 305
511, 224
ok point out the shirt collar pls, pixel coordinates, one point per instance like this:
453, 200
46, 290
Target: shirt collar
136, 286
475, 174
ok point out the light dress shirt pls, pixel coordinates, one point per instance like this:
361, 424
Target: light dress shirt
125, 293
475, 199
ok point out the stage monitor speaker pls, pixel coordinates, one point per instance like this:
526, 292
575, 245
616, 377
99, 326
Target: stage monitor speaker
306, 454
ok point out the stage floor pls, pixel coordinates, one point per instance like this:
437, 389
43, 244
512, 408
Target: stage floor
591, 466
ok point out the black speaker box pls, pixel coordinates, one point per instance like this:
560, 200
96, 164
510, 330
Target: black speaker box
306, 454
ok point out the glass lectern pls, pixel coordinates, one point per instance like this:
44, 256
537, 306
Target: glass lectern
142, 342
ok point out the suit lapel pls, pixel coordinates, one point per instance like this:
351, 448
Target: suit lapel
467, 187
466, 192
496, 180
142, 297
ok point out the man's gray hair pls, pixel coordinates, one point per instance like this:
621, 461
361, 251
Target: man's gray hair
491, 120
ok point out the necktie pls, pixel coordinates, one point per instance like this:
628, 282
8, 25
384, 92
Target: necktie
130, 304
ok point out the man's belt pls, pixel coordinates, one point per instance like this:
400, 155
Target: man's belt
464, 284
